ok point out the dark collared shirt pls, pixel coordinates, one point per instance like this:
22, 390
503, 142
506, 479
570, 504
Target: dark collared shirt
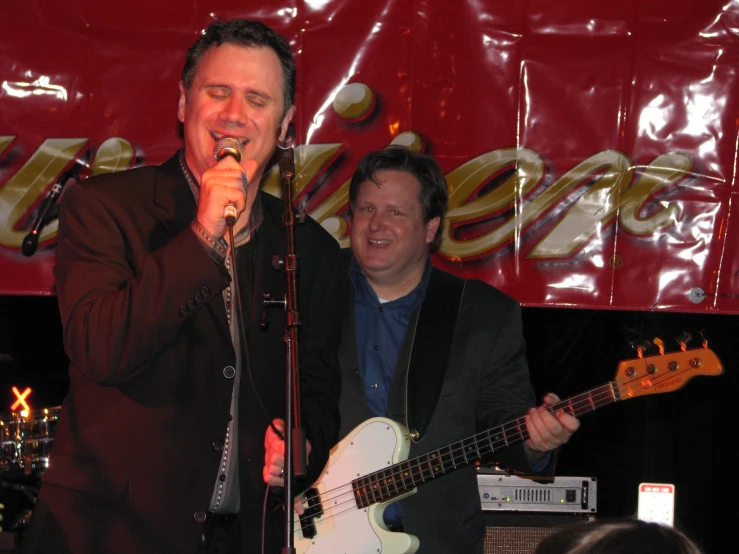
381, 328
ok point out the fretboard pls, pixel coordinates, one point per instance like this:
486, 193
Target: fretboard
403, 477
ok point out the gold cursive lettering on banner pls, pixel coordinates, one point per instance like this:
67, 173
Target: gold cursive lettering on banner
662, 173
606, 174
114, 154
466, 180
494, 198
610, 195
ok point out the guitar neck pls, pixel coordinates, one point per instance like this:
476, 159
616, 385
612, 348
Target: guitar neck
404, 476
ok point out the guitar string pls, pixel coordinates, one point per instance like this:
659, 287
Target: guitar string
576, 405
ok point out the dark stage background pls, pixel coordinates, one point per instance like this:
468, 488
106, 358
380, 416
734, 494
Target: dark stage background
686, 437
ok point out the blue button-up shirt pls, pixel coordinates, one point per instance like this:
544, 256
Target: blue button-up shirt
381, 327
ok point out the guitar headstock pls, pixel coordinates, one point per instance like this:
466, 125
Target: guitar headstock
665, 372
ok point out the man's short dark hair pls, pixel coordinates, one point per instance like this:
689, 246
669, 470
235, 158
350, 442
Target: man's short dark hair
250, 34
433, 195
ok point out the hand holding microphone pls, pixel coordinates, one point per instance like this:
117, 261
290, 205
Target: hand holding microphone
223, 187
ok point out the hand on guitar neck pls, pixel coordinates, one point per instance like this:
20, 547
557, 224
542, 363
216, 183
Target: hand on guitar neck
547, 430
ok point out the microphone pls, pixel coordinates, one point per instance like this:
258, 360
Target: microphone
30, 242
229, 146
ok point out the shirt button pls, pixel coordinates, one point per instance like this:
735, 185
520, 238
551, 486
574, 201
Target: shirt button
374, 385
199, 516
229, 372
198, 297
206, 292
217, 445
183, 310
222, 478
381, 308
191, 304
377, 347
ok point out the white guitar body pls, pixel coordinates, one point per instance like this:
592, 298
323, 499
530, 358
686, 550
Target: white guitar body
345, 528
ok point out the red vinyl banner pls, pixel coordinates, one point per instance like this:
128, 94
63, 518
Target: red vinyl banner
590, 147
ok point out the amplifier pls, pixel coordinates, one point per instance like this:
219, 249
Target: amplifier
527, 493
521, 532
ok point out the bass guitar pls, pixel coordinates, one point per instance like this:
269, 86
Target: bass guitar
369, 468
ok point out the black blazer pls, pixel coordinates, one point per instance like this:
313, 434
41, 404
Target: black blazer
485, 384
138, 443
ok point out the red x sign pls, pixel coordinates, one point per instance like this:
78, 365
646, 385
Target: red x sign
21, 399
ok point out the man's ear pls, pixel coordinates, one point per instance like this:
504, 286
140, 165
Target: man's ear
181, 103
431, 227
285, 124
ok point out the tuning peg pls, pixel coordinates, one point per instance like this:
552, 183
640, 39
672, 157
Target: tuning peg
640, 345
683, 339
660, 344
704, 337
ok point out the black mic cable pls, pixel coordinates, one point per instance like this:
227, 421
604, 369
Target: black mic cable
231, 146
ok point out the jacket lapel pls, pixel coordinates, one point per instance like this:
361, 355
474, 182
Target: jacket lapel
432, 347
173, 202
353, 400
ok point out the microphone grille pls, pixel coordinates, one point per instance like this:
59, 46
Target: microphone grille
228, 146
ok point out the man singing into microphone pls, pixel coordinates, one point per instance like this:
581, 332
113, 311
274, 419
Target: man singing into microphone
160, 443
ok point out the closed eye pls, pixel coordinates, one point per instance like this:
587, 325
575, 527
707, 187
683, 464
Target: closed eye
218, 93
257, 101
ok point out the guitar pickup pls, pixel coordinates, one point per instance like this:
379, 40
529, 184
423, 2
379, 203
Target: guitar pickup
313, 509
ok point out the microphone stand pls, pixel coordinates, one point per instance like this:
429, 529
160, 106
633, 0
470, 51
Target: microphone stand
46, 208
30, 241
295, 456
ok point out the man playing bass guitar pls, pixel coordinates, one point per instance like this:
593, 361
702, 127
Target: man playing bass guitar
443, 355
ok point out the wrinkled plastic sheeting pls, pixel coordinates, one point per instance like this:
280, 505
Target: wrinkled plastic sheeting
590, 147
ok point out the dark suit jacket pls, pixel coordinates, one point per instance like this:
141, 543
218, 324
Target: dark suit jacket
485, 384
138, 443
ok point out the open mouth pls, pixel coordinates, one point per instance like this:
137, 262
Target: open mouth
218, 136
379, 242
